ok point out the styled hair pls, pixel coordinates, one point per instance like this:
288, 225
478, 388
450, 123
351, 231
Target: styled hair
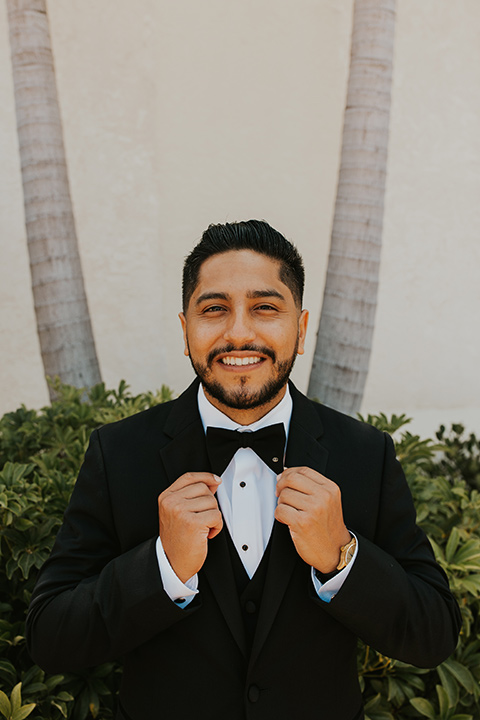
256, 235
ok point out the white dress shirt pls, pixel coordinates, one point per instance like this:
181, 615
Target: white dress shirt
247, 500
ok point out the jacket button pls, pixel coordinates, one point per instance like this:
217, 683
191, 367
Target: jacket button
253, 693
250, 607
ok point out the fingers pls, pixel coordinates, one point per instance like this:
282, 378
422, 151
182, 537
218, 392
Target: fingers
190, 501
286, 514
293, 498
192, 478
215, 525
304, 480
311, 505
188, 516
196, 490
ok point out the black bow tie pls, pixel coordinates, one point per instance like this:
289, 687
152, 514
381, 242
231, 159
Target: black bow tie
268, 443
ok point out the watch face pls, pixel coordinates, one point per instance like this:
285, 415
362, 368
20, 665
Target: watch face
347, 553
350, 551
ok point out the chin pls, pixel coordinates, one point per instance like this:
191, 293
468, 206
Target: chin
244, 398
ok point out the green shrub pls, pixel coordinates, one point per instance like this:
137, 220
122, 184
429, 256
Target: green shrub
40, 454
448, 509
461, 456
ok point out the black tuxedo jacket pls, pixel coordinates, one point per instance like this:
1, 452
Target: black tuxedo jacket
100, 597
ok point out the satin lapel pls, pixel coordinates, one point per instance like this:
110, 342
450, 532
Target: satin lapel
303, 448
187, 452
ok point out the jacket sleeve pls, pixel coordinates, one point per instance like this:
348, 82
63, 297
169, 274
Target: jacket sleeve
94, 602
396, 597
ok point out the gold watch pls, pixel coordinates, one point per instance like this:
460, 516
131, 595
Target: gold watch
346, 553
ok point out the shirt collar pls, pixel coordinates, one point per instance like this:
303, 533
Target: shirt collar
213, 417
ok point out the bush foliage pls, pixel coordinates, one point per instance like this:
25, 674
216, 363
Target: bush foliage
40, 454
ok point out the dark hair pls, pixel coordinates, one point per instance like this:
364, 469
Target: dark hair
256, 235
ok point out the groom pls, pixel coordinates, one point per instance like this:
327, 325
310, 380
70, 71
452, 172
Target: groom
232, 545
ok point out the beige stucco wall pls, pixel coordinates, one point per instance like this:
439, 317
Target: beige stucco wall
181, 114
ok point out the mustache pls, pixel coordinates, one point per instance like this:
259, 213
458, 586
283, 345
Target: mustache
249, 348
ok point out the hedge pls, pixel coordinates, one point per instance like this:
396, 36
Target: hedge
40, 454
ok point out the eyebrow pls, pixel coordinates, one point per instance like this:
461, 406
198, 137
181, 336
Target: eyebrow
251, 295
211, 296
254, 294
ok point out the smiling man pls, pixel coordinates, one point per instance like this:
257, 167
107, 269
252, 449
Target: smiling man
233, 544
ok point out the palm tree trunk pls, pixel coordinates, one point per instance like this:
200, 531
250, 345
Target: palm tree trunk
345, 333
63, 322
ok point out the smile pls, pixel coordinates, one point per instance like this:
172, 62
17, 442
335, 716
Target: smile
229, 360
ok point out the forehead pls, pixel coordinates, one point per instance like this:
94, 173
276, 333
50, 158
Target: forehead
240, 270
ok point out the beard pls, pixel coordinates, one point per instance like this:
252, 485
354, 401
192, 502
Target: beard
242, 397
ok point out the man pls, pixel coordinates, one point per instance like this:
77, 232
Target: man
235, 581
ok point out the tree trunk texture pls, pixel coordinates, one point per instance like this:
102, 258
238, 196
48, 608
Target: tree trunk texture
344, 340
63, 322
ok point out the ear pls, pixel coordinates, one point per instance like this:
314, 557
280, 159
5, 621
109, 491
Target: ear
183, 321
302, 331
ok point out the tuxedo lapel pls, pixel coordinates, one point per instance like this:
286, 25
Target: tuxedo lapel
303, 449
187, 452
306, 429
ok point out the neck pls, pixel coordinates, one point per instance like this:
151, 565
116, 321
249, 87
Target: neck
246, 416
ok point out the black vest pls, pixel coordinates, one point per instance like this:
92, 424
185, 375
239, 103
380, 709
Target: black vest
250, 591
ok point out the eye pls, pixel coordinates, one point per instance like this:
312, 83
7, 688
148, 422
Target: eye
213, 309
265, 306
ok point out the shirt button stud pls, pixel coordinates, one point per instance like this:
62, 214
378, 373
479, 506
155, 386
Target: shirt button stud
242, 484
244, 547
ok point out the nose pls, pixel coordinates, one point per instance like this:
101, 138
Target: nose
240, 328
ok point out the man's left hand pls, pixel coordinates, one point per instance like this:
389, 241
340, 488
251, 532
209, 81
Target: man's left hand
311, 505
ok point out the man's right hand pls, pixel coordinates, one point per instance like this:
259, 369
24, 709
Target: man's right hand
188, 517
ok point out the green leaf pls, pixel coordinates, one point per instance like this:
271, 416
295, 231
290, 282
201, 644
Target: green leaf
61, 706
53, 681
65, 696
25, 562
467, 554
375, 711
424, 707
450, 686
16, 698
24, 712
23, 524
33, 674
34, 688
461, 674
5, 707
442, 701
452, 544
8, 670
470, 584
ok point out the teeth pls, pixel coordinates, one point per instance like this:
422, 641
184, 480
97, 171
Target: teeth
240, 360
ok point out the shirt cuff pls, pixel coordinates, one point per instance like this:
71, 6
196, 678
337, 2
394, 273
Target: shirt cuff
327, 591
181, 593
